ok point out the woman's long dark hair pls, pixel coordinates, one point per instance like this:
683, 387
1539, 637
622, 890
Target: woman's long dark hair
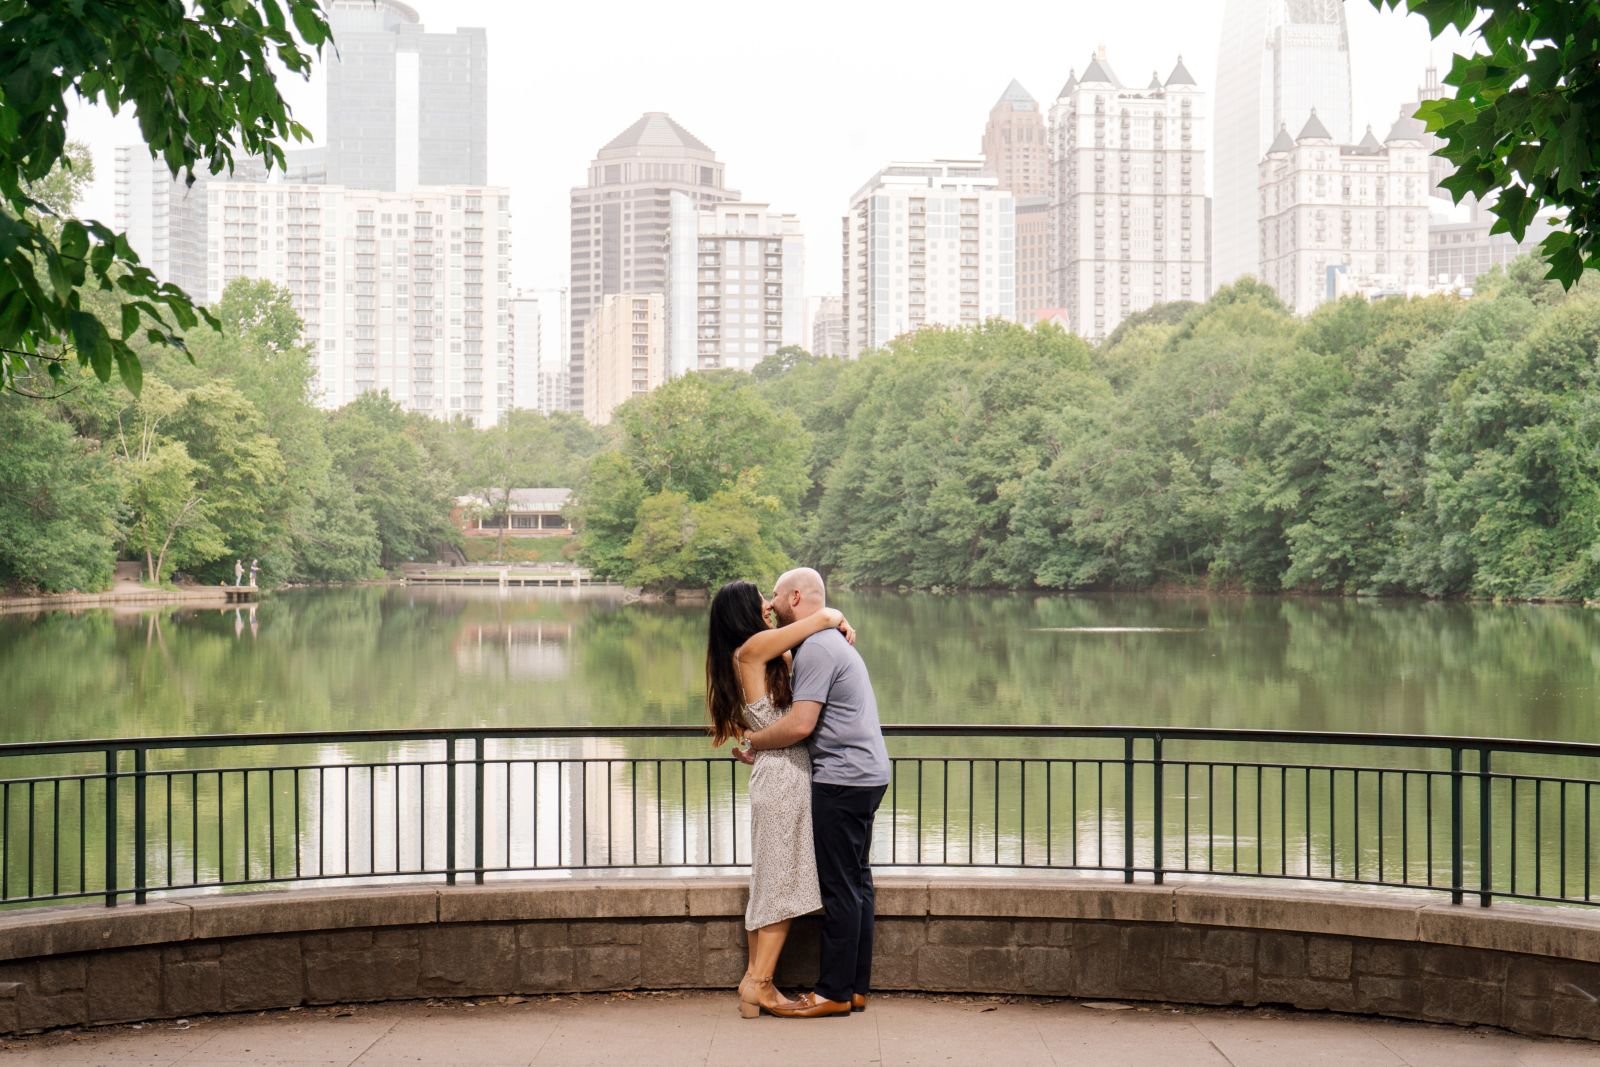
735, 617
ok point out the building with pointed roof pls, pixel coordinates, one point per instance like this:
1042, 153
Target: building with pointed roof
621, 218
1014, 146
1277, 59
1128, 205
1339, 218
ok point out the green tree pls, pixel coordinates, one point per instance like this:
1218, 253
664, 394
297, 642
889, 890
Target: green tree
201, 78
1523, 122
59, 497
526, 449
169, 519
392, 477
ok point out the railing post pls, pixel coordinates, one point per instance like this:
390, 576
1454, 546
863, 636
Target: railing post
1485, 831
111, 827
1158, 768
1127, 808
140, 879
450, 811
1456, 821
477, 810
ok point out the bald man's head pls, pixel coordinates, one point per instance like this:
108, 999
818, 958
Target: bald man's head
798, 593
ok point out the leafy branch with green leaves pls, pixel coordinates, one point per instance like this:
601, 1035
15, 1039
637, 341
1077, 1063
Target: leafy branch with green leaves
1525, 118
199, 76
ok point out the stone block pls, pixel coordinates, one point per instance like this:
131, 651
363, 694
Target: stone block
1142, 957
90, 928
1281, 955
603, 933
1528, 1015
1046, 971
1388, 995
975, 932
1387, 958
1096, 957
338, 941
720, 897
39, 1012
995, 970
944, 968
262, 972
903, 897
670, 955
191, 951
1054, 933
1194, 981
124, 986
546, 970
1462, 1001
191, 987
1364, 915
1574, 1017
61, 974
599, 967
725, 966
458, 959
1021, 898
633, 898
1447, 961
724, 933
542, 935
1565, 933
1307, 993
1328, 958
899, 937
894, 972
303, 910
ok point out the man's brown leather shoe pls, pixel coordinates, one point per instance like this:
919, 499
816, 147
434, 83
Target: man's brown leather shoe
858, 1002
811, 1006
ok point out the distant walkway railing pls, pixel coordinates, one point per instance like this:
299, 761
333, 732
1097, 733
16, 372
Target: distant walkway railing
120, 820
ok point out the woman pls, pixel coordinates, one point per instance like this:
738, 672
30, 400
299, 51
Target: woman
747, 688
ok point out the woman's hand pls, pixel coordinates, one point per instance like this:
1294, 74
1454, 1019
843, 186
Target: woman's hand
848, 630
836, 621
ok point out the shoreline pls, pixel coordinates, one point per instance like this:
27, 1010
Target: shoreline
199, 595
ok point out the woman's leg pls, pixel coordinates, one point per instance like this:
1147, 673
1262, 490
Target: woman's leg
753, 939
766, 949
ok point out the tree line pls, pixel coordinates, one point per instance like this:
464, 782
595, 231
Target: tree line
1438, 447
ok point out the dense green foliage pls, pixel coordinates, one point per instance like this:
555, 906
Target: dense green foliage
200, 76
1524, 122
228, 458
1436, 447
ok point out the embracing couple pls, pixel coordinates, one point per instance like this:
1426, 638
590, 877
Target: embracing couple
783, 679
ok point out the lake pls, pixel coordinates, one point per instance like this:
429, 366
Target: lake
392, 657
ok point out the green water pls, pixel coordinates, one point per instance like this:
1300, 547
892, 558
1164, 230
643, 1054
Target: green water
391, 657
388, 657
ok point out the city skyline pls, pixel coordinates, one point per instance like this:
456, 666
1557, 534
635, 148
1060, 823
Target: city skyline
839, 122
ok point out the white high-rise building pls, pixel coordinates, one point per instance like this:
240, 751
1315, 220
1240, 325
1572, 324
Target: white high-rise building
735, 285
1340, 218
925, 244
827, 328
539, 349
1129, 207
406, 293
165, 218
623, 352
1278, 59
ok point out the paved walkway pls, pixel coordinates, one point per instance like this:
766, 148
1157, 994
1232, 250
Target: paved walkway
705, 1028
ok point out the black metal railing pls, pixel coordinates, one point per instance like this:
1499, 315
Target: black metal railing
121, 820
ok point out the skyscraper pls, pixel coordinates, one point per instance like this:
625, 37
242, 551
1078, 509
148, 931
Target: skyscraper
1015, 147
621, 217
623, 352
1129, 204
539, 349
927, 244
735, 285
405, 107
164, 218
827, 328
1278, 60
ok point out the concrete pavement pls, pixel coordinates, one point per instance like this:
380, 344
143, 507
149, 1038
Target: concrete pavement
704, 1028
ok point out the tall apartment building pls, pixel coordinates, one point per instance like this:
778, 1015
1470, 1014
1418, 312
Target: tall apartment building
621, 217
735, 285
827, 328
1461, 249
1337, 217
1278, 59
1129, 204
1016, 148
624, 352
927, 244
539, 349
164, 218
1035, 283
405, 107
401, 292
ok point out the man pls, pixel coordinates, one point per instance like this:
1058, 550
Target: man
238, 572
836, 714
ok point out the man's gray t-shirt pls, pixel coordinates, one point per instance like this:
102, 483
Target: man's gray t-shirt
847, 745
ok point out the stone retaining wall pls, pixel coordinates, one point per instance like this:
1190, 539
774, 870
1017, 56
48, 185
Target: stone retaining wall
1533, 970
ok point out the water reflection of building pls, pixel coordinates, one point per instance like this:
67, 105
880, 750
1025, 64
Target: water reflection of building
532, 649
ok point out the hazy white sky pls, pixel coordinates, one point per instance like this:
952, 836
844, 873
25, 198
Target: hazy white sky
803, 103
